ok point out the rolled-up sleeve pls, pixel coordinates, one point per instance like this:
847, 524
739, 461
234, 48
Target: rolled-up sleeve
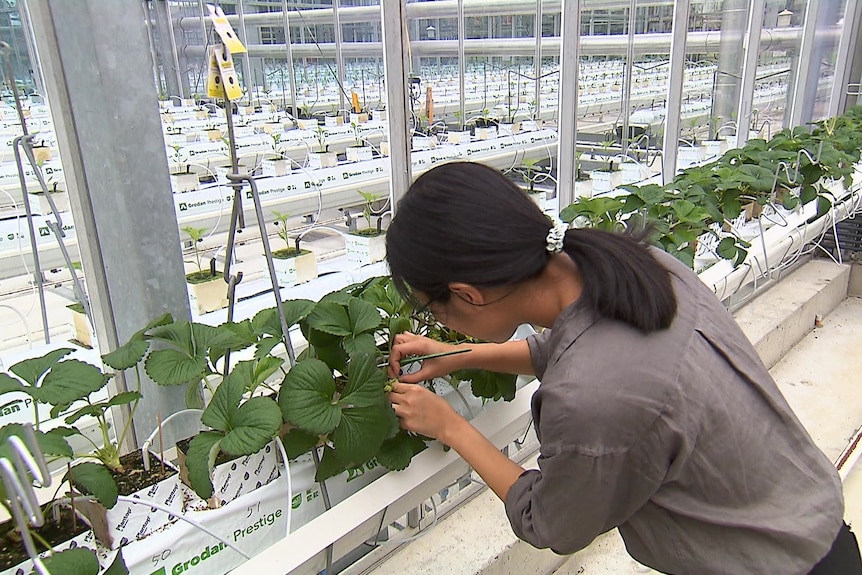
538, 344
576, 496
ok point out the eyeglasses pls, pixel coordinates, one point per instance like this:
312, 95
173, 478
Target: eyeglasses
424, 314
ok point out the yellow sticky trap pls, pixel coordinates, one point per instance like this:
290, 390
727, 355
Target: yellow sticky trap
214, 88
354, 99
224, 30
222, 75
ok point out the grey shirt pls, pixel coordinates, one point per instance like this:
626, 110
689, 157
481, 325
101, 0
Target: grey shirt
680, 438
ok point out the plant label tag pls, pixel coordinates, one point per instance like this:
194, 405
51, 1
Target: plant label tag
225, 31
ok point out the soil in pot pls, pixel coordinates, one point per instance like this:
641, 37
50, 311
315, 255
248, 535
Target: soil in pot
368, 232
54, 532
201, 277
287, 253
135, 478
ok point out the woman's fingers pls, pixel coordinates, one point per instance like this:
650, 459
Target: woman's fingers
420, 410
406, 344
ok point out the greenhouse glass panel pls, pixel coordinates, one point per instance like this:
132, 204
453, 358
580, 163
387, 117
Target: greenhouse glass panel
825, 51
623, 86
483, 86
777, 66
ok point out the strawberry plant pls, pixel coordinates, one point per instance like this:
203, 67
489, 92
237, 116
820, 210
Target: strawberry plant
238, 426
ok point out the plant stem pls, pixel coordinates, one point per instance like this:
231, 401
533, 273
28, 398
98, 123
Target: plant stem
40, 539
93, 443
103, 427
132, 411
71, 494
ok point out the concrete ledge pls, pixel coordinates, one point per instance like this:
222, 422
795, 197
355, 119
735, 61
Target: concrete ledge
779, 318
476, 538
855, 287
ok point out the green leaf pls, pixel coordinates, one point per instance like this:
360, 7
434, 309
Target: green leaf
394, 422
685, 255
194, 395
255, 373
8, 384
231, 336
200, 459
121, 398
223, 405
58, 409
650, 194
253, 425
70, 381
365, 383
118, 567
266, 321
266, 367
362, 344
340, 297
51, 443
396, 453
179, 334
130, 353
727, 248
824, 204
330, 465
206, 336
173, 367
789, 201
741, 254
811, 174
732, 208
30, 370
77, 561
64, 431
363, 316
94, 479
297, 442
306, 397
265, 346
398, 325
295, 310
489, 384
163, 319
360, 434
330, 318
326, 347
321, 339
236, 335
127, 356
808, 194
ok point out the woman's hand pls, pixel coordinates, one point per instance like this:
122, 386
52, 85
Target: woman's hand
422, 411
408, 344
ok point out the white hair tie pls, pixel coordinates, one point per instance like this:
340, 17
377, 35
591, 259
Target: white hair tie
555, 237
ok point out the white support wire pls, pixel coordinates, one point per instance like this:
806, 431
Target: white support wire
399, 541
33, 290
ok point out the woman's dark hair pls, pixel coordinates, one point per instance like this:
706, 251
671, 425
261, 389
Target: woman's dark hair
466, 222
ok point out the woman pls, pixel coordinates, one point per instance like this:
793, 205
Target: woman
655, 414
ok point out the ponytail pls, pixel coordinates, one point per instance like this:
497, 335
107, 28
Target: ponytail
620, 279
